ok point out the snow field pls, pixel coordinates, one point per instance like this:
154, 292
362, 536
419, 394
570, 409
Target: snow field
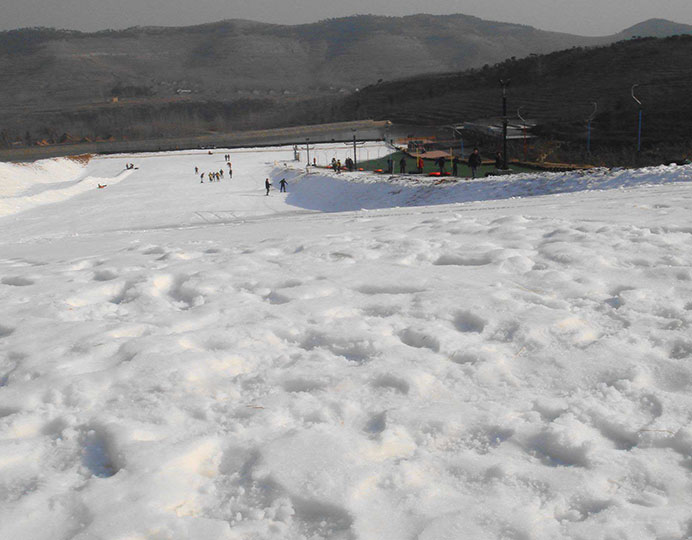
451, 371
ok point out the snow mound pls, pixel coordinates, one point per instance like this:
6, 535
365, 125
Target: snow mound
25, 186
330, 192
18, 178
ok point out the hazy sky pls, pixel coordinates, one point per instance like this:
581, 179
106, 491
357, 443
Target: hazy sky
586, 17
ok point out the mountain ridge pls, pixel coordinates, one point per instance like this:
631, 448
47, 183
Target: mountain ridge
164, 82
645, 28
44, 66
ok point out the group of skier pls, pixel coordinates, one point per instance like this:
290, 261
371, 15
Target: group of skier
213, 176
216, 176
337, 166
268, 185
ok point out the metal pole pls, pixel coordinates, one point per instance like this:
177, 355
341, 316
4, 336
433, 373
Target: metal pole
588, 128
505, 84
639, 129
355, 158
307, 145
639, 132
523, 129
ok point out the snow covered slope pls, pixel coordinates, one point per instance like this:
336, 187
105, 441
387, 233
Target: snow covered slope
201, 361
48, 181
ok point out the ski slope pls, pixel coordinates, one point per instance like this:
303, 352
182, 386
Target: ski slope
363, 357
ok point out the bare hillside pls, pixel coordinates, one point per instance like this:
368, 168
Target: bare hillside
42, 68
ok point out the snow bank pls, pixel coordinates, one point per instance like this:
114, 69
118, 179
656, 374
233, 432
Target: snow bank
24, 186
17, 178
329, 192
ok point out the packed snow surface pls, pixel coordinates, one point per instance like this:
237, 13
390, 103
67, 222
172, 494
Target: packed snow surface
363, 357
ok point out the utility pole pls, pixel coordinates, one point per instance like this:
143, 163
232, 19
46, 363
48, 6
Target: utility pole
356, 144
639, 130
505, 84
588, 128
307, 146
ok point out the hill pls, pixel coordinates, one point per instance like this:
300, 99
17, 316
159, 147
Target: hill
236, 57
656, 28
61, 86
44, 68
556, 91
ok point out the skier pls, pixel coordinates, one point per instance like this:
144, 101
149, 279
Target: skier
441, 163
267, 185
196, 170
419, 164
283, 185
402, 165
390, 165
475, 162
455, 166
498, 160
201, 178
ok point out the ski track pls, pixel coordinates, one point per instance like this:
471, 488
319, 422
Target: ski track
216, 367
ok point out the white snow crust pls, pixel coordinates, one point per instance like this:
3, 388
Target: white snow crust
363, 357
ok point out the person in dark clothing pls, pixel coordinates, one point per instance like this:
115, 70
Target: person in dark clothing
455, 166
283, 185
441, 163
475, 162
402, 165
498, 160
267, 185
390, 165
